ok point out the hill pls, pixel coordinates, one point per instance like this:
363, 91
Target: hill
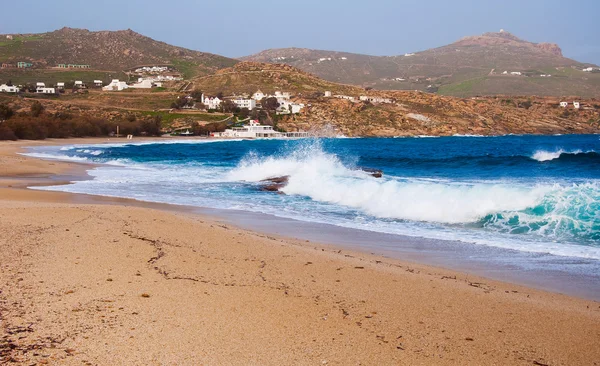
387, 113
401, 113
110, 51
471, 66
248, 77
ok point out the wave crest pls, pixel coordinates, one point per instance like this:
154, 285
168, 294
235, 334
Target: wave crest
544, 155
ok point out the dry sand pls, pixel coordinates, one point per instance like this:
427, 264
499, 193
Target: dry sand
84, 282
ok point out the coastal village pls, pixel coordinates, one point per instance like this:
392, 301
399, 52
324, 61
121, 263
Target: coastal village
209, 104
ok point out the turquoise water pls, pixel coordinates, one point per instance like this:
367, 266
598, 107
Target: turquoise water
536, 194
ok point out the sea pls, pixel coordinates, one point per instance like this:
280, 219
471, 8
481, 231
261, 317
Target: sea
522, 197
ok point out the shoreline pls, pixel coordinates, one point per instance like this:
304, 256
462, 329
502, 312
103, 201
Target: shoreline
383, 310
542, 271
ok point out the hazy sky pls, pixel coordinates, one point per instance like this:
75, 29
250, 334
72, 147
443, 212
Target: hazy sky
379, 27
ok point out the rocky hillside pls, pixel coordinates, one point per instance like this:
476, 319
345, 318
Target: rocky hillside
407, 113
471, 66
389, 113
105, 50
248, 77
417, 113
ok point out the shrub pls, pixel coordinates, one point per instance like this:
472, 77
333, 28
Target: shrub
36, 109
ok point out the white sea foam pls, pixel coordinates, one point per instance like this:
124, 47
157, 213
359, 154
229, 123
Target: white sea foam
543, 155
322, 177
55, 156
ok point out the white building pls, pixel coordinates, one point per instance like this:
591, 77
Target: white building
142, 84
365, 98
289, 107
589, 69
564, 104
343, 58
78, 84
505, 73
9, 37
259, 95
116, 85
153, 69
40, 85
212, 102
98, 83
327, 94
244, 103
8, 89
45, 90
352, 99
60, 86
408, 54
518, 73
282, 95
255, 130
576, 105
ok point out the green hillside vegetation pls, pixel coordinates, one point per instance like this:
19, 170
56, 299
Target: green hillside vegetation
106, 51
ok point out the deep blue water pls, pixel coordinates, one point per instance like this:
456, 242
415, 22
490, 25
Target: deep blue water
529, 193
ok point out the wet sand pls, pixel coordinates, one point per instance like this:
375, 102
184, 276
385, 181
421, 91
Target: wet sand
85, 282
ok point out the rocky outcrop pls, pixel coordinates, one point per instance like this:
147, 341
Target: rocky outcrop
550, 47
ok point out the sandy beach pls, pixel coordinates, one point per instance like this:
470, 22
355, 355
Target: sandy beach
100, 281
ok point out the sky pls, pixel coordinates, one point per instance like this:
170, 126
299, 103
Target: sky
236, 28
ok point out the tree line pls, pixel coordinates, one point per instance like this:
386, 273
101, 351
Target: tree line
38, 124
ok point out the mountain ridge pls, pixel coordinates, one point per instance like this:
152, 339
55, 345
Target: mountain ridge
478, 60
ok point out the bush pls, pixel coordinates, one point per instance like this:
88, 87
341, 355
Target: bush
65, 125
5, 112
36, 109
6, 133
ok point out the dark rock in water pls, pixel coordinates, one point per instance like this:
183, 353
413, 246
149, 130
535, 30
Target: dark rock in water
276, 183
373, 172
272, 187
278, 180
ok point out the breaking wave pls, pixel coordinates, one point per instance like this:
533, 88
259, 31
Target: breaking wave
543, 155
551, 211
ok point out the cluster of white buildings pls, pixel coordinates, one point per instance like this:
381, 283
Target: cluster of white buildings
42, 88
363, 98
165, 78
152, 69
408, 54
590, 69
286, 105
280, 58
515, 73
576, 105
